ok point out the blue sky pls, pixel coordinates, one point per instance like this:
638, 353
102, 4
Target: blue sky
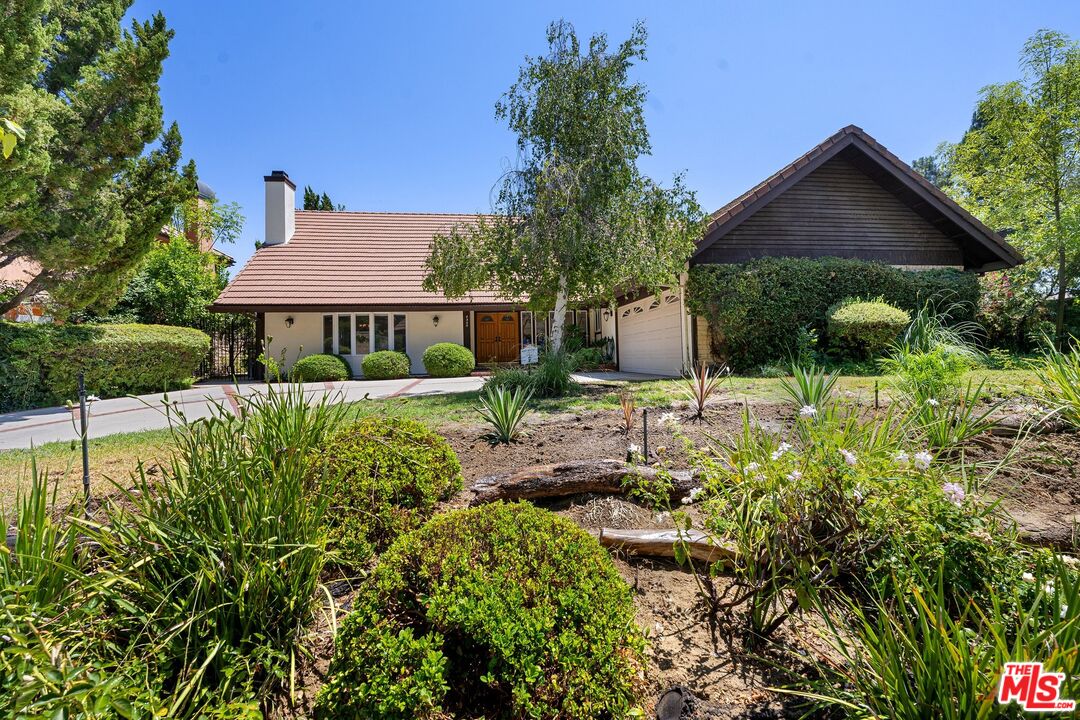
390, 106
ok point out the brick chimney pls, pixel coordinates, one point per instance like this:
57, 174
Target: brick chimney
280, 208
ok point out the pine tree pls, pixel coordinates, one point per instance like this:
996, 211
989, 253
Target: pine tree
82, 200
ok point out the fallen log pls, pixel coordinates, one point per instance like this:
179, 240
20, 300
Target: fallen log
661, 543
577, 477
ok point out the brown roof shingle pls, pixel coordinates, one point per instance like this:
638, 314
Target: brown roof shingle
347, 259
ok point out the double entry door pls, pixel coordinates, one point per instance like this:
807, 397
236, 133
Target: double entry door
497, 337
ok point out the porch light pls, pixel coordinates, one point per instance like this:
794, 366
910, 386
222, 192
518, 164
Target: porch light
289, 321
435, 320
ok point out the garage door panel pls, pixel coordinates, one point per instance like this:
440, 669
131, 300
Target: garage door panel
650, 336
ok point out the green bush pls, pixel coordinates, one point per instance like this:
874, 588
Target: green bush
386, 476
756, 310
499, 611
448, 359
320, 368
385, 365
549, 378
42, 362
864, 328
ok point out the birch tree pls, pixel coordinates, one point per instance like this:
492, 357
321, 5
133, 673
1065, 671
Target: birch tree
575, 221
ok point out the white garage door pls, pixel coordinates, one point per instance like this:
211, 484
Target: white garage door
650, 338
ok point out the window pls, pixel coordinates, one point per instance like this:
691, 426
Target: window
399, 332
583, 322
363, 335
344, 334
382, 332
328, 334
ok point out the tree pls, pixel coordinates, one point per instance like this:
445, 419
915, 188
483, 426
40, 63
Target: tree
1018, 167
576, 221
936, 168
83, 199
314, 201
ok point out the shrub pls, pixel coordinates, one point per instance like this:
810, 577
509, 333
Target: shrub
42, 362
865, 328
755, 310
499, 611
504, 410
448, 359
386, 474
550, 378
319, 368
385, 365
1059, 375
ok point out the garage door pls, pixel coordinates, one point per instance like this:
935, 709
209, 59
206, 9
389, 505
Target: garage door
650, 338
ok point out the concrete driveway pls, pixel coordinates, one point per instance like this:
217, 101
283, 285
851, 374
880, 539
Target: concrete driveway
145, 412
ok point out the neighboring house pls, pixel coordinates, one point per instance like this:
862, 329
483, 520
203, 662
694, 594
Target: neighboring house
350, 283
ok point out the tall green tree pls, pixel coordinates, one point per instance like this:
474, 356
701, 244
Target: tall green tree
576, 221
315, 201
83, 199
1018, 167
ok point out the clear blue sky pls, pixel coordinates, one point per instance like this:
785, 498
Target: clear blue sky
389, 106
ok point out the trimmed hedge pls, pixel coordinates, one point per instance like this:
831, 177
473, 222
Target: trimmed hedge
865, 328
499, 611
756, 309
447, 359
385, 365
41, 363
320, 368
387, 474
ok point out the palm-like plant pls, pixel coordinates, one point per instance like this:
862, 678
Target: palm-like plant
809, 386
629, 407
700, 386
504, 411
1059, 374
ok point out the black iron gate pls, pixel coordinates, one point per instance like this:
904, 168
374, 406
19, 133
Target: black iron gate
233, 346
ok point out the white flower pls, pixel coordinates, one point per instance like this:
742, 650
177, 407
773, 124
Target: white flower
932, 402
1049, 588
849, 457
794, 475
923, 460
808, 411
633, 449
857, 493
901, 458
954, 493
1028, 577
669, 420
752, 467
779, 452
1064, 610
692, 496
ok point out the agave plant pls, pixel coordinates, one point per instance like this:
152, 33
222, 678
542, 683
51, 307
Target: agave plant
700, 386
504, 411
809, 387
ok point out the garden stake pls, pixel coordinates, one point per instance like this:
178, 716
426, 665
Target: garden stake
85, 445
876, 405
645, 434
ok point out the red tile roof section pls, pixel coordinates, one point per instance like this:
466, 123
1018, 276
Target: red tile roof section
347, 259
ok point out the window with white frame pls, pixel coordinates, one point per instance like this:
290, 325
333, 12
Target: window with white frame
362, 333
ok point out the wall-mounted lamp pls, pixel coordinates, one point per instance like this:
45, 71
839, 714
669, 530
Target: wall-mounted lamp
435, 320
607, 314
289, 321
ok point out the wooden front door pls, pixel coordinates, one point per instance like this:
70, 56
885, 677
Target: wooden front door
497, 337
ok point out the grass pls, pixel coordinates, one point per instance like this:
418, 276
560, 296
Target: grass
116, 456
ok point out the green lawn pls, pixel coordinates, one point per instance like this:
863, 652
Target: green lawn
116, 456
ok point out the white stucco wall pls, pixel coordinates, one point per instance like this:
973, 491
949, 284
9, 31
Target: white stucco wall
305, 337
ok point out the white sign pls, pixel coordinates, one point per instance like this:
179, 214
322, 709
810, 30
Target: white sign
530, 355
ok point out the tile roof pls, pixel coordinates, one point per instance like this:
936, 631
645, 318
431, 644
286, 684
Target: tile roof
338, 259
756, 197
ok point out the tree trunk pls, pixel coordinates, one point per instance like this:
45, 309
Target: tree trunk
661, 543
29, 289
1063, 266
558, 326
604, 477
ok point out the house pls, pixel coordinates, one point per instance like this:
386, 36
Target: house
351, 282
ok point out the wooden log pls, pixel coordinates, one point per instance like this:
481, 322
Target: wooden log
573, 478
661, 543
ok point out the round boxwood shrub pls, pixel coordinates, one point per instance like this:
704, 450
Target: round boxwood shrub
385, 476
865, 328
385, 365
447, 359
498, 611
320, 368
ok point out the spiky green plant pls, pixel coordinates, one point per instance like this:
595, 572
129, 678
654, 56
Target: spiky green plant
701, 384
1059, 377
504, 410
809, 386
